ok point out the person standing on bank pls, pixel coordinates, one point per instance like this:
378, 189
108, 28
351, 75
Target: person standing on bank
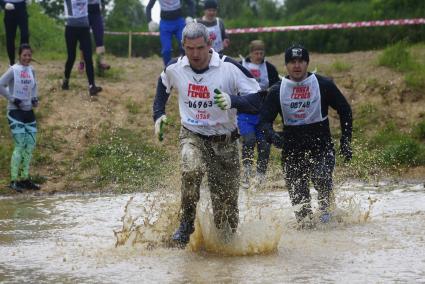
215, 26
266, 75
77, 29
22, 97
15, 15
96, 25
303, 100
172, 23
208, 136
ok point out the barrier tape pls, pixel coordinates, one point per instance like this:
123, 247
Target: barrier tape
350, 25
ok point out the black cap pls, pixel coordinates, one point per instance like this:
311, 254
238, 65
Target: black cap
296, 51
210, 4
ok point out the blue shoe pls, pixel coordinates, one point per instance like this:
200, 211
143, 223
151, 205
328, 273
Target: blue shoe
325, 217
182, 235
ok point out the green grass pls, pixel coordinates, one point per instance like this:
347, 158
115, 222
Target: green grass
419, 130
121, 157
340, 66
397, 57
416, 79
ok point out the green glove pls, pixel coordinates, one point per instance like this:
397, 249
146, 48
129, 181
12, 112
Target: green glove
222, 100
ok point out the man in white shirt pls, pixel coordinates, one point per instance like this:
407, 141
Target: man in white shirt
208, 135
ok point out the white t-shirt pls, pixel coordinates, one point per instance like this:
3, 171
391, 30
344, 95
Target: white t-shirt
300, 101
196, 93
24, 82
259, 71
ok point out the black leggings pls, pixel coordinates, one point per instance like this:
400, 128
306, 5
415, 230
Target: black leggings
73, 35
12, 20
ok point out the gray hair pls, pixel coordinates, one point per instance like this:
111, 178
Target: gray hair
195, 30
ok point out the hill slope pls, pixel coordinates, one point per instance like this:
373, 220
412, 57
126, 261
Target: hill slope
70, 123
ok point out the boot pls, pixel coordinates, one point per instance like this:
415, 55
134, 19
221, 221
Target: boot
65, 84
93, 90
29, 184
182, 235
17, 186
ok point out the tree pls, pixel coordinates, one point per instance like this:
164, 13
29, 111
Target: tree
126, 15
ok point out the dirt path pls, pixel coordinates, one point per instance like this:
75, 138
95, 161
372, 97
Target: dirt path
74, 121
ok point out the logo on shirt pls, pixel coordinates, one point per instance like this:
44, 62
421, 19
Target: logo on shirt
198, 91
212, 36
256, 73
301, 92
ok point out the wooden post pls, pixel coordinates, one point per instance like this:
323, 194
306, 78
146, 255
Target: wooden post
130, 39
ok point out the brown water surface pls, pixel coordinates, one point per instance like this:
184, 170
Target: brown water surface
376, 236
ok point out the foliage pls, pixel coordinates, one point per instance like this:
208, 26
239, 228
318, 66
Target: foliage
123, 158
397, 57
45, 33
126, 15
419, 130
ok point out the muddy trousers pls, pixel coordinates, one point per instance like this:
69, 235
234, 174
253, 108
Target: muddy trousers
24, 136
249, 141
221, 161
300, 168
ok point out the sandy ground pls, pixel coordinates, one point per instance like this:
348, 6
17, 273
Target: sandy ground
76, 120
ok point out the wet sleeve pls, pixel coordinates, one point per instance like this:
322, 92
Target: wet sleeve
149, 10
268, 113
250, 103
5, 79
161, 98
338, 102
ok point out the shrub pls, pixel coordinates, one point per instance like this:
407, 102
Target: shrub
406, 151
122, 158
397, 57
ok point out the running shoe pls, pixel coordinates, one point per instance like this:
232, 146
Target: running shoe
29, 184
17, 186
94, 90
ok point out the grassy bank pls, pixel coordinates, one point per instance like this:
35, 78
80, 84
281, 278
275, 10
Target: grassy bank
108, 145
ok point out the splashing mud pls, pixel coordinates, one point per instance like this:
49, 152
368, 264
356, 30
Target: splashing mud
150, 222
375, 235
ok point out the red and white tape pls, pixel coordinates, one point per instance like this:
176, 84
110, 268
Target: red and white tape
350, 25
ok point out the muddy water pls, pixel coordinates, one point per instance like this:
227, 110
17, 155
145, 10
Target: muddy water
376, 236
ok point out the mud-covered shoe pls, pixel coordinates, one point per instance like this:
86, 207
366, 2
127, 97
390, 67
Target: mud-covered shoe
17, 186
182, 236
29, 184
94, 90
81, 67
65, 84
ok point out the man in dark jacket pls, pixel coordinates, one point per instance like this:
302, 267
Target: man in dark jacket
302, 99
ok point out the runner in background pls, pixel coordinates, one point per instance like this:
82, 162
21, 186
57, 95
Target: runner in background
303, 100
15, 15
77, 29
97, 27
215, 26
266, 75
171, 23
22, 96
